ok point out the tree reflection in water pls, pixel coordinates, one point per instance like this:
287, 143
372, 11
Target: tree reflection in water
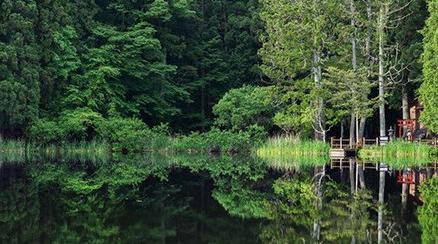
204, 199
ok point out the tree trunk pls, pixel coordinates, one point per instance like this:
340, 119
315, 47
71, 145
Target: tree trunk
316, 233
362, 124
381, 32
405, 107
319, 118
354, 66
382, 176
361, 177
369, 34
404, 193
352, 176
368, 57
352, 129
342, 128
353, 38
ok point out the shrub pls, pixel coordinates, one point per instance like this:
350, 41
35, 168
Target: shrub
243, 107
80, 124
45, 131
126, 135
219, 141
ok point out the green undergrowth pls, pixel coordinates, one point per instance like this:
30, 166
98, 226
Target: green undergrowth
21, 151
286, 153
217, 141
289, 146
428, 214
132, 137
285, 163
400, 154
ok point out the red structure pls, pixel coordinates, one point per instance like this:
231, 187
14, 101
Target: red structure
406, 179
410, 124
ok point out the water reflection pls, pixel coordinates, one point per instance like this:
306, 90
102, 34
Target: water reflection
203, 199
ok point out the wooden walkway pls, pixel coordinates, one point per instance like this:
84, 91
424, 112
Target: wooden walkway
341, 147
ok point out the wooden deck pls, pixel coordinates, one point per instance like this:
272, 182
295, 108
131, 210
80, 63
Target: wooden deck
341, 147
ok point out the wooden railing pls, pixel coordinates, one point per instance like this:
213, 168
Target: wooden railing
431, 142
343, 143
369, 142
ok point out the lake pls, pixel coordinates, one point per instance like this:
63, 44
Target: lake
205, 199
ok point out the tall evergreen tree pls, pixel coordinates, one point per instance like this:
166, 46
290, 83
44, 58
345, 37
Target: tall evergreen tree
300, 39
19, 64
429, 88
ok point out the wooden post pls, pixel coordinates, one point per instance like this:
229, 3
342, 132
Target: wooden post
340, 142
377, 141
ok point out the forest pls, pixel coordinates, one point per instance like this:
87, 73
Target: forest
86, 69
218, 121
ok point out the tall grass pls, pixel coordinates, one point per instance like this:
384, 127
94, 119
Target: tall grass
287, 152
20, 151
400, 153
293, 146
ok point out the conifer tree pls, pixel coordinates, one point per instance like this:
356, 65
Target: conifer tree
429, 88
19, 64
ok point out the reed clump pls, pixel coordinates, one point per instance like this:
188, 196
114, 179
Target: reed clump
288, 152
400, 153
293, 146
21, 151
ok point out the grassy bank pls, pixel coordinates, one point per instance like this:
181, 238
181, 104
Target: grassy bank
134, 138
286, 153
293, 147
19, 150
400, 153
130, 135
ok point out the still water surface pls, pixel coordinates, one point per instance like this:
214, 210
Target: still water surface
203, 199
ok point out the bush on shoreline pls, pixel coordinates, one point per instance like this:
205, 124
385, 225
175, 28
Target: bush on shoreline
217, 141
131, 135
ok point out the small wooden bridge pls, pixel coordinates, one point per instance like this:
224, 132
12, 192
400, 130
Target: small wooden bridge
342, 147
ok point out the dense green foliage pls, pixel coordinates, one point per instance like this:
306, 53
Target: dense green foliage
75, 70
291, 153
240, 108
429, 88
428, 215
217, 141
332, 216
399, 154
68, 62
